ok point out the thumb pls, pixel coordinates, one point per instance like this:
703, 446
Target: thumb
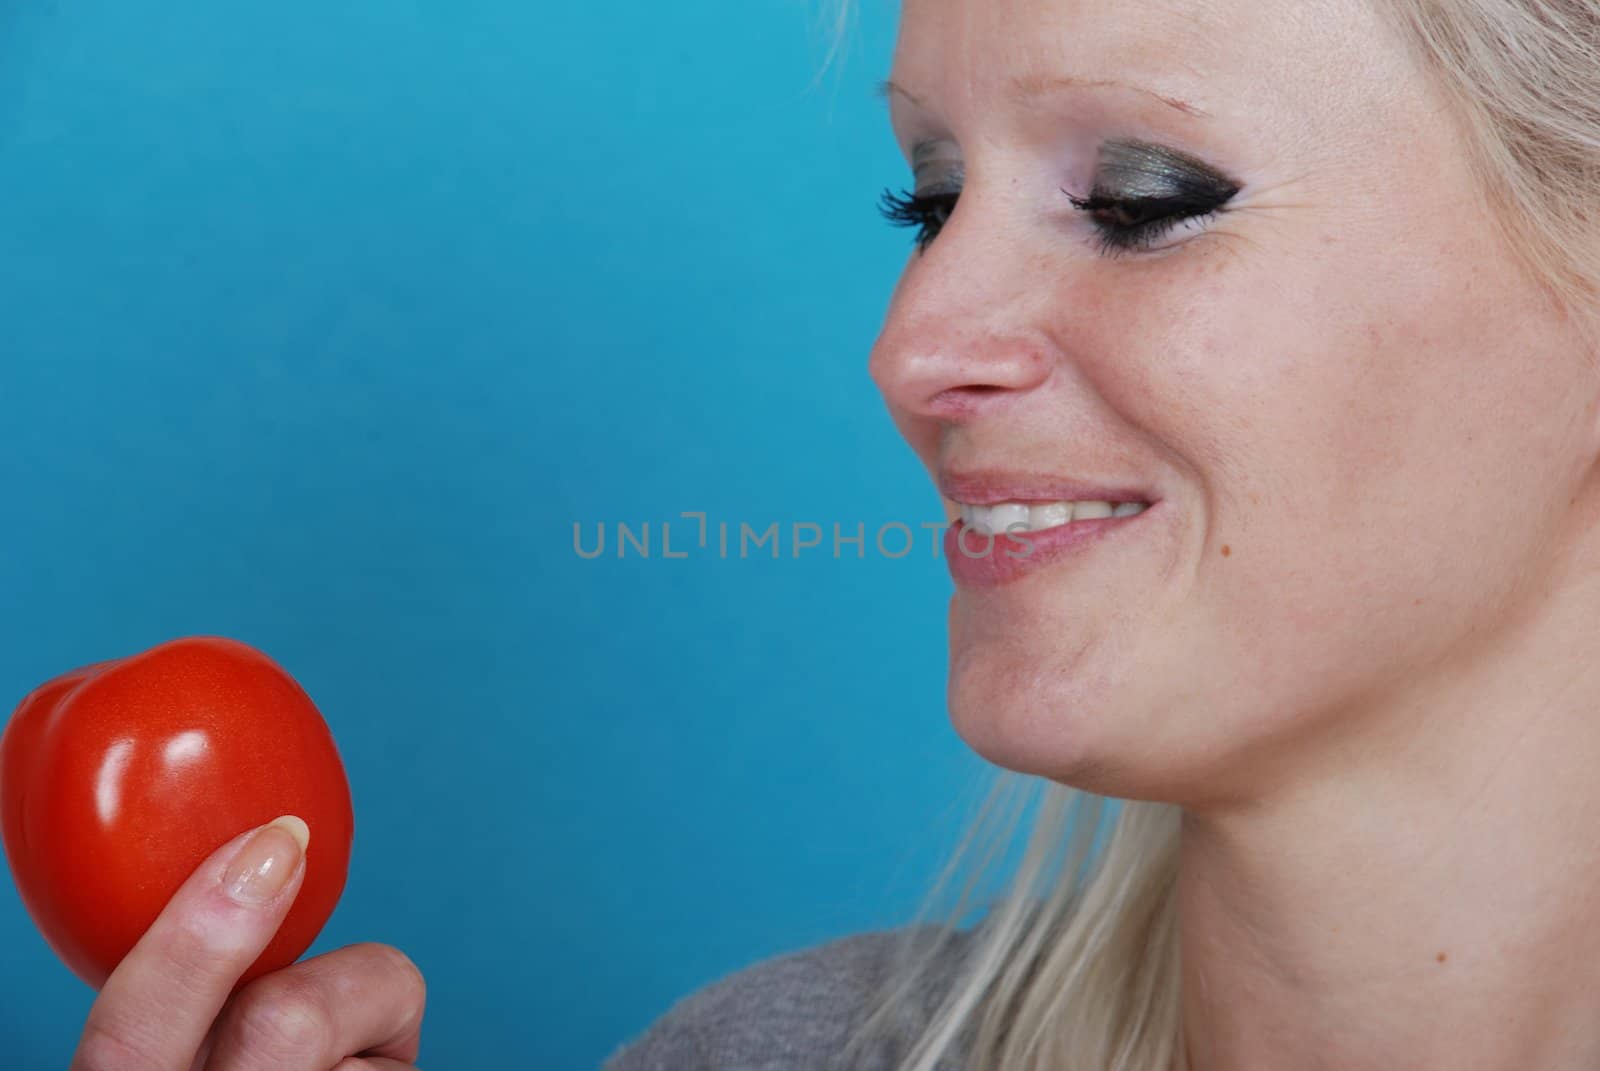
158, 1005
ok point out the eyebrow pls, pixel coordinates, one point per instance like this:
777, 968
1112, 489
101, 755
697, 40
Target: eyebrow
1028, 88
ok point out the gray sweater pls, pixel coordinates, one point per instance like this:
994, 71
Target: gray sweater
789, 1013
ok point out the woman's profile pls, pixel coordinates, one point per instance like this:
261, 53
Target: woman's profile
1252, 350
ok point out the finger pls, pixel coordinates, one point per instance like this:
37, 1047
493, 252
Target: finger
155, 1009
375, 1063
365, 999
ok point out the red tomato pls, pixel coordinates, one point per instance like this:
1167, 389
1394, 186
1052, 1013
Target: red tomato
118, 779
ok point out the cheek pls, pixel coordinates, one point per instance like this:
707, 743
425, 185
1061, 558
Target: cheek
1372, 453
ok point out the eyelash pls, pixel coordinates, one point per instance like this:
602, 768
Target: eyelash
931, 211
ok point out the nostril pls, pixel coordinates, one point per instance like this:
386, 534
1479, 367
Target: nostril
956, 403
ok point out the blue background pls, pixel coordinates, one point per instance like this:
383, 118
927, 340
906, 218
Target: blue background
321, 325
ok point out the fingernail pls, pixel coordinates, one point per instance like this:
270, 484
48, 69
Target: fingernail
267, 861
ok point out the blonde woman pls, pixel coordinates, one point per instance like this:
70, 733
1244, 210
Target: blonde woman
1311, 291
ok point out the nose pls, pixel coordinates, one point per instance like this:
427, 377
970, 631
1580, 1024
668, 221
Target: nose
950, 375
953, 347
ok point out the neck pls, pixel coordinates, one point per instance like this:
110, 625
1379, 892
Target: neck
1422, 894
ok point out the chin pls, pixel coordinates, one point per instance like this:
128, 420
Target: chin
1066, 700
1016, 713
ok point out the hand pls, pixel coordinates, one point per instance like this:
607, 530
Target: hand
170, 1004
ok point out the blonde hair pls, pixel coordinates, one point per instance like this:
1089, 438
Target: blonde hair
1076, 965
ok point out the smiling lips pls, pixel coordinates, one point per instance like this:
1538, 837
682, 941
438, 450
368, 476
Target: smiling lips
1011, 525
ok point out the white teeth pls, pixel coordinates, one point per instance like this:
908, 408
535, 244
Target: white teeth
1008, 517
1002, 517
1050, 515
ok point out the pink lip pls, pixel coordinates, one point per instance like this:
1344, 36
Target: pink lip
976, 561
984, 487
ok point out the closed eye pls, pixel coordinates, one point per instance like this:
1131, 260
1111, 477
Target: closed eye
1122, 223
1127, 223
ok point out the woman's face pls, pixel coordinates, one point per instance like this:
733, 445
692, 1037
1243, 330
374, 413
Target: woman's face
1365, 434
